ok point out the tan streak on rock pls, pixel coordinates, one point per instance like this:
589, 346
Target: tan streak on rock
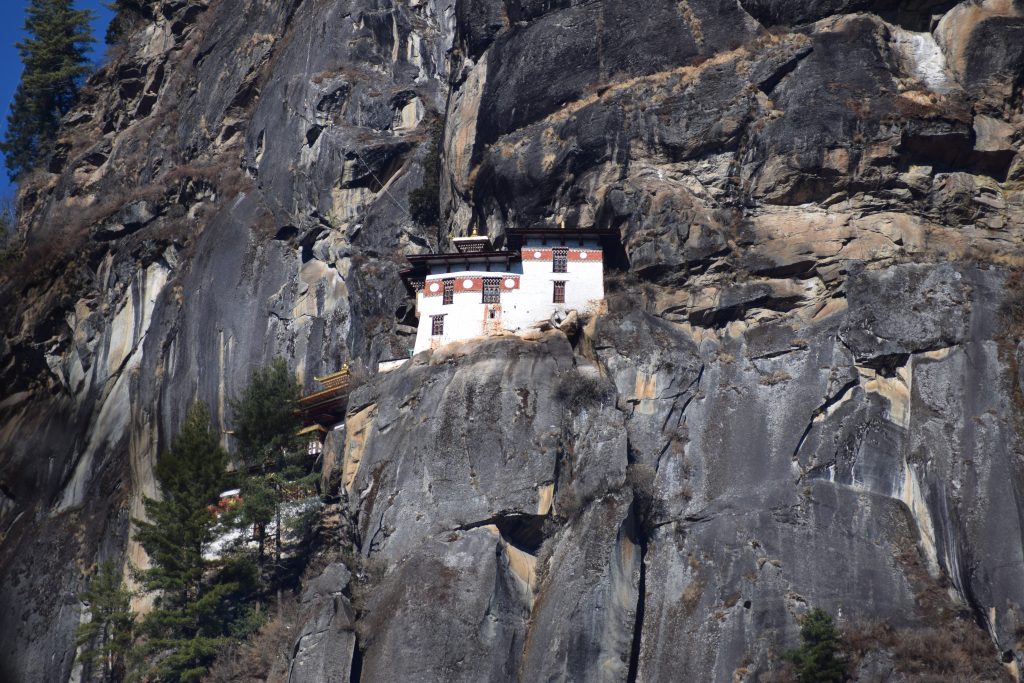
358, 427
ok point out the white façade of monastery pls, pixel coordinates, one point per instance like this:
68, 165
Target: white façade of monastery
477, 291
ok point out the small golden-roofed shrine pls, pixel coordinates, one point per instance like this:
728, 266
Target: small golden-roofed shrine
327, 406
473, 244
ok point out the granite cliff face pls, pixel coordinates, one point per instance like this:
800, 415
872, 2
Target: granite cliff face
806, 392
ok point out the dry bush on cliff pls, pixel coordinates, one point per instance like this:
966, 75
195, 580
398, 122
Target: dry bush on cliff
263, 658
956, 652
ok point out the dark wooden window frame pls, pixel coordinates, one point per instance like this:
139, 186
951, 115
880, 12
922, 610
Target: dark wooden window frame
560, 260
492, 290
448, 296
558, 295
436, 325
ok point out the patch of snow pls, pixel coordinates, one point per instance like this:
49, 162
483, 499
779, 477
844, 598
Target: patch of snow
228, 538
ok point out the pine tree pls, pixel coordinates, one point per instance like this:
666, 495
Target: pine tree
8, 228
107, 637
266, 422
265, 416
55, 59
198, 600
819, 658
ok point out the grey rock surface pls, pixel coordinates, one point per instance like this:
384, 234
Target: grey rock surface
806, 390
324, 649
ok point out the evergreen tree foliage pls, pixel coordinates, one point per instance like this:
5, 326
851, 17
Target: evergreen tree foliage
8, 218
107, 637
55, 59
266, 424
8, 229
819, 658
198, 601
266, 417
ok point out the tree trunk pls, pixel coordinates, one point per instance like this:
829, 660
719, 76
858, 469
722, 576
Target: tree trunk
277, 539
261, 535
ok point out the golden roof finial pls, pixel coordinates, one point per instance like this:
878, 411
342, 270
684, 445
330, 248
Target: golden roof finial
561, 223
475, 232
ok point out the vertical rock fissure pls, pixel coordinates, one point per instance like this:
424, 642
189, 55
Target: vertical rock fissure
356, 669
638, 624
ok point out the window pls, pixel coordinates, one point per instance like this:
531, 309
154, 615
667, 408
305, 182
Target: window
449, 291
559, 295
560, 260
437, 325
492, 290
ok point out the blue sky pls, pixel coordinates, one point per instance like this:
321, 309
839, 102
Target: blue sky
12, 17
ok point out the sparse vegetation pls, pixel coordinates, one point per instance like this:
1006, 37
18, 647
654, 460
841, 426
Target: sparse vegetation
776, 377
265, 656
128, 14
425, 202
646, 504
576, 392
959, 651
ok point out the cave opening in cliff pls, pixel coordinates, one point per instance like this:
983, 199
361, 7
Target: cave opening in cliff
522, 531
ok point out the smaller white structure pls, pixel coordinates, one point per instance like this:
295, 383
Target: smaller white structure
477, 291
389, 365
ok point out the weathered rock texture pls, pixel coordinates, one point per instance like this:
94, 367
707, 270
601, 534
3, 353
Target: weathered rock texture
807, 390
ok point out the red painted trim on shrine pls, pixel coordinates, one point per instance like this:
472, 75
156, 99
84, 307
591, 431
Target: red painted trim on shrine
463, 285
541, 254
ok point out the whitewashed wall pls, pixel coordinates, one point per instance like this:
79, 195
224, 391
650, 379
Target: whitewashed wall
526, 295
584, 285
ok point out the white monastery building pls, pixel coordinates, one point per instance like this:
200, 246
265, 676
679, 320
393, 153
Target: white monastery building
477, 291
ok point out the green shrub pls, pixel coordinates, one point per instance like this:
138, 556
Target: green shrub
819, 658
